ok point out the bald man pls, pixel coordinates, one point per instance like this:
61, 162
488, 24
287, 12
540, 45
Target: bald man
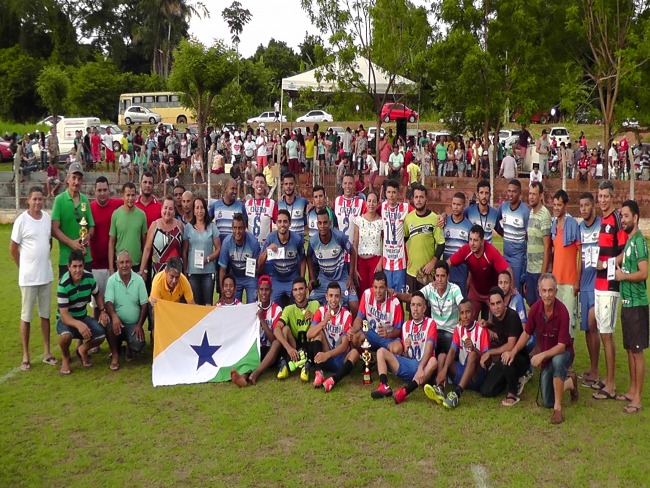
187, 204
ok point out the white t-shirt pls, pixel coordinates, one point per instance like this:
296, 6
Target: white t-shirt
613, 153
372, 165
33, 237
261, 141
107, 139
125, 160
249, 148
535, 176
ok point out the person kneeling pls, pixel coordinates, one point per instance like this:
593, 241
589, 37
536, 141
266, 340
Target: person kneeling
417, 364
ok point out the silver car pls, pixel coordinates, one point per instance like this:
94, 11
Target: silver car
136, 113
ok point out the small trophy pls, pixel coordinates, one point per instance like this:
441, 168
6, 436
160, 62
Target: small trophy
83, 225
366, 356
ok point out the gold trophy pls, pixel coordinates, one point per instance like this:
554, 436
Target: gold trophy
366, 356
83, 225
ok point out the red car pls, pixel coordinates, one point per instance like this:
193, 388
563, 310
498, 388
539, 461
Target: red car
394, 111
5, 151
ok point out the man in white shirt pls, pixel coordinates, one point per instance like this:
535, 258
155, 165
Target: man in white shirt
613, 160
292, 154
30, 250
107, 142
249, 148
260, 144
125, 167
371, 168
508, 166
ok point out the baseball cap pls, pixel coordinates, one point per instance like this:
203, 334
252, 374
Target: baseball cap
76, 168
264, 280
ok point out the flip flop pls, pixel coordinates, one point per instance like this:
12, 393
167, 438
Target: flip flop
598, 385
51, 361
588, 383
623, 398
64, 372
632, 409
506, 401
114, 367
603, 395
25, 366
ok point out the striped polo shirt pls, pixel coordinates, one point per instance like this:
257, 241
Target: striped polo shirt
444, 308
75, 297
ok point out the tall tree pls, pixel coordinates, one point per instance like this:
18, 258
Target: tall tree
52, 86
236, 17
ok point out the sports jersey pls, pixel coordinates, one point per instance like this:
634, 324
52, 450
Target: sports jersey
539, 226
233, 257
222, 303
488, 222
478, 335
611, 240
312, 220
444, 308
514, 224
295, 319
273, 314
589, 242
222, 213
344, 211
485, 268
419, 334
456, 236
388, 314
337, 326
394, 254
262, 212
288, 268
330, 257
517, 304
424, 236
298, 212
634, 294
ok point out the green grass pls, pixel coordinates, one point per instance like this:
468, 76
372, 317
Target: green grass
99, 428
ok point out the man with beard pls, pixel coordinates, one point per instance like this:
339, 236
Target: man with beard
456, 235
146, 201
262, 211
295, 205
222, 211
482, 213
320, 202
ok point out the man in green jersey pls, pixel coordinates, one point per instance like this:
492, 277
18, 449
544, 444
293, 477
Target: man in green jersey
425, 241
633, 273
291, 330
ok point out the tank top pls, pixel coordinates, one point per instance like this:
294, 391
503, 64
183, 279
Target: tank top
166, 245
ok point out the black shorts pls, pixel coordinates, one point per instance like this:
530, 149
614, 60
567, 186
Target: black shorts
444, 342
636, 328
413, 284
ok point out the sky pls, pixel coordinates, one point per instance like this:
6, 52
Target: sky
283, 21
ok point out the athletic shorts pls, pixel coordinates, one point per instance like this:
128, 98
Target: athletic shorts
475, 383
110, 156
281, 288
101, 277
444, 342
412, 284
566, 296
377, 342
407, 368
587, 302
396, 280
33, 294
334, 363
96, 329
605, 307
636, 324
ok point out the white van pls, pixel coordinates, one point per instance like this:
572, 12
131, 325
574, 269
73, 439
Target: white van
65, 131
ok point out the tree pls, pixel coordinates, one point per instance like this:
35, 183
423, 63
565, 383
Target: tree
236, 17
280, 59
200, 74
17, 95
52, 86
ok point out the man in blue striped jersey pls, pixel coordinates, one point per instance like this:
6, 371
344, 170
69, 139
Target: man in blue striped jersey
482, 213
295, 205
512, 222
222, 211
456, 234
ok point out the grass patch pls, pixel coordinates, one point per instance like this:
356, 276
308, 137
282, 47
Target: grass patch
99, 428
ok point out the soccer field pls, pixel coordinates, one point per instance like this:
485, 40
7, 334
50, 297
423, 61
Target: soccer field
102, 428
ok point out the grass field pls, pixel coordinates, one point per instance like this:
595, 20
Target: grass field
100, 428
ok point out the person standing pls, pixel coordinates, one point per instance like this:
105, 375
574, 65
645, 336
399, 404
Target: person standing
482, 213
292, 154
30, 249
237, 251
456, 235
393, 214
53, 151
164, 240
538, 235
320, 201
347, 207
367, 241
128, 230
542, 147
260, 145
296, 206
632, 275
512, 223
261, 210
146, 201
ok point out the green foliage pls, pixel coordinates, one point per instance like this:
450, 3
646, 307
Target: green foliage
236, 17
53, 86
95, 88
232, 104
280, 60
17, 95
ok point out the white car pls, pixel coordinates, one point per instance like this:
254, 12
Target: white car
265, 117
507, 133
138, 114
630, 123
561, 135
49, 120
337, 130
316, 116
372, 132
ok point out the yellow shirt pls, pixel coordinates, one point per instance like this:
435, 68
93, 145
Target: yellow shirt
125, 143
309, 148
414, 173
268, 174
161, 291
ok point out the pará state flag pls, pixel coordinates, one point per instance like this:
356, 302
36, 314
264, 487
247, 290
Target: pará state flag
199, 344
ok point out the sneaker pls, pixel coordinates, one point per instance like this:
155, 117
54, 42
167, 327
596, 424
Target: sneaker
382, 391
400, 395
328, 384
304, 372
451, 401
557, 417
434, 393
283, 373
319, 379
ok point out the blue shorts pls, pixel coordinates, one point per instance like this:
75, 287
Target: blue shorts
248, 284
96, 329
475, 383
587, 302
407, 368
377, 342
396, 280
334, 363
347, 295
281, 288
532, 292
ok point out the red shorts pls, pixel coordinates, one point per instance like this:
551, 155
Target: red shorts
110, 156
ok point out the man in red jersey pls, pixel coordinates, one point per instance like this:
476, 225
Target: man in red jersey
146, 201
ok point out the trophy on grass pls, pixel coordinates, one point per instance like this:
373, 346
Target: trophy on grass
366, 356
83, 225
294, 365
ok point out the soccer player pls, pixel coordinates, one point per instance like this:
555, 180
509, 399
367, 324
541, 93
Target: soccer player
482, 213
471, 341
393, 214
632, 275
611, 240
228, 290
320, 201
589, 234
295, 205
268, 316
538, 234
146, 201
384, 315
289, 260
222, 211
328, 333
456, 235
262, 211
512, 222
327, 249
238, 258
512, 299
425, 243
418, 363
347, 207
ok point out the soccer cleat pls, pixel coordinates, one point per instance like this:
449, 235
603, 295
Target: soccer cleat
400, 395
304, 372
319, 379
328, 384
451, 401
283, 373
382, 391
434, 393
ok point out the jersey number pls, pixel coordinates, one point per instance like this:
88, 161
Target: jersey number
256, 226
390, 228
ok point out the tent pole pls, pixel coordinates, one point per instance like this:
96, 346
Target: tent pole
281, 107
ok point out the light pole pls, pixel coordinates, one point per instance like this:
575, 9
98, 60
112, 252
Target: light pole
290, 114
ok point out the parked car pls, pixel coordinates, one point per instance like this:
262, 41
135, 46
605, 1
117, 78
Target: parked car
5, 151
265, 117
116, 132
136, 113
336, 129
506, 133
394, 111
561, 135
230, 127
372, 132
316, 116
49, 121
630, 123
